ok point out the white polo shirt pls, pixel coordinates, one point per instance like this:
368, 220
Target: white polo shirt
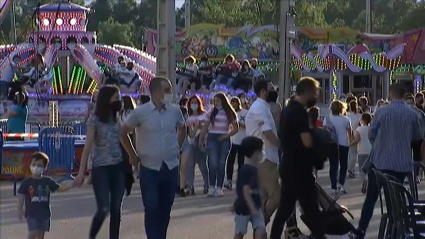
258, 120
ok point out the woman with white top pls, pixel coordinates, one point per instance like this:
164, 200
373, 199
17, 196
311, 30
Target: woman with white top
221, 123
354, 117
341, 125
236, 142
361, 141
195, 122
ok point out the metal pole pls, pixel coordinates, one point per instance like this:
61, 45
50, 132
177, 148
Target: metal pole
13, 22
187, 13
368, 16
283, 42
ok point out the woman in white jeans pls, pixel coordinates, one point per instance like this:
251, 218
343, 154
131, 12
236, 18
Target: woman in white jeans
354, 117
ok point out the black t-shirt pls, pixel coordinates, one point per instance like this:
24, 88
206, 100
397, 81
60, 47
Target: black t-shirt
296, 159
205, 68
37, 196
248, 175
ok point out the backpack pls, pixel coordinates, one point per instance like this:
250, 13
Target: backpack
331, 128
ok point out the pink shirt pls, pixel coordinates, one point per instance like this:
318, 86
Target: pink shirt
220, 124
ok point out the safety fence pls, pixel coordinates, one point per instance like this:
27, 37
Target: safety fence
57, 142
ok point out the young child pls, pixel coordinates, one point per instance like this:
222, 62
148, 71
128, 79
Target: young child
363, 145
35, 192
247, 206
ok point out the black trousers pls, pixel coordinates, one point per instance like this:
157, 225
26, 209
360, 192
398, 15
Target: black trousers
301, 189
236, 149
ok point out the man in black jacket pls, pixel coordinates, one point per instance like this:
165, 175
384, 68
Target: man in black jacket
298, 160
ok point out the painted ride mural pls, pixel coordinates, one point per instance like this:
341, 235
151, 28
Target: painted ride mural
216, 41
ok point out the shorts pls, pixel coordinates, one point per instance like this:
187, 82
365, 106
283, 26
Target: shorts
35, 224
241, 222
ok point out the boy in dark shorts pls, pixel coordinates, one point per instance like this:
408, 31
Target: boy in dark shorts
35, 193
247, 206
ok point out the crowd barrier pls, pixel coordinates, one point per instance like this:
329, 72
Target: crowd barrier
57, 142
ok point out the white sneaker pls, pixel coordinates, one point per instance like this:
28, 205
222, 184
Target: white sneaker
219, 192
211, 192
341, 189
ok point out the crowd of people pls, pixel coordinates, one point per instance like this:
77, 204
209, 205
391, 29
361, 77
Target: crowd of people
277, 152
230, 76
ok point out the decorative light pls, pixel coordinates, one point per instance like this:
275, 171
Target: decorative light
59, 21
418, 84
335, 89
46, 22
73, 21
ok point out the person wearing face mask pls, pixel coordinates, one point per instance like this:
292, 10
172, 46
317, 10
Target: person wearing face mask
227, 71
299, 158
188, 76
259, 122
245, 77
160, 131
254, 65
419, 98
108, 169
205, 73
195, 122
34, 192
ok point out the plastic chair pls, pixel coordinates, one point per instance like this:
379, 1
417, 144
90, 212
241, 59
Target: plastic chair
408, 226
1, 164
59, 144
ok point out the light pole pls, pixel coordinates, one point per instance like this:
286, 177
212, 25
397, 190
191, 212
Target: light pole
187, 13
368, 16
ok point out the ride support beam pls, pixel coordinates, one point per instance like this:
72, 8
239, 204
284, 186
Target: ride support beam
166, 37
284, 62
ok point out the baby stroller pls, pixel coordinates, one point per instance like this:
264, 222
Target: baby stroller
336, 224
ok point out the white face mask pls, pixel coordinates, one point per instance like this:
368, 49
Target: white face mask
194, 106
36, 170
168, 98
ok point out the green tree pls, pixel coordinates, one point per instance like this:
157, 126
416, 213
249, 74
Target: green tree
125, 11
112, 32
102, 11
414, 17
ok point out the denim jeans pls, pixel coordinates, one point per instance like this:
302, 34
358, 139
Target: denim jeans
338, 159
221, 78
373, 194
4, 90
217, 156
158, 190
200, 158
109, 187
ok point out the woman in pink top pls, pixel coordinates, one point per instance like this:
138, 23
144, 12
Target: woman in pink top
220, 124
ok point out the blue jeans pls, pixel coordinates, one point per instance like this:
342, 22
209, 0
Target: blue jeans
217, 157
158, 190
4, 90
373, 194
109, 187
200, 158
221, 78
338, 159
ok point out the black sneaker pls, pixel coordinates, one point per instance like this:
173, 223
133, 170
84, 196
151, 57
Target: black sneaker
294, 232
181, 193
190, 191
205, 191
358, 234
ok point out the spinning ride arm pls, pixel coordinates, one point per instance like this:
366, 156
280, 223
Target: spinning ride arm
85, 59
145, 60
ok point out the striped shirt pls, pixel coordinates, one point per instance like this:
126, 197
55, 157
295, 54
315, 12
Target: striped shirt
391, 132
220, 124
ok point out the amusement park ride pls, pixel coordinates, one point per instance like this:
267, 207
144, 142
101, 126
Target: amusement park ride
74, 62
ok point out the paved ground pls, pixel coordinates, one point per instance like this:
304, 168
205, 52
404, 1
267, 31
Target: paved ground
195, 217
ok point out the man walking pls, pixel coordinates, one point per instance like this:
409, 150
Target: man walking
157, 144
392, 130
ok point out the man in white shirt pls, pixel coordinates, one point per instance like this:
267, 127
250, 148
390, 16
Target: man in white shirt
259, 123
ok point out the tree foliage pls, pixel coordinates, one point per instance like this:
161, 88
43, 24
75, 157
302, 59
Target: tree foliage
129, 18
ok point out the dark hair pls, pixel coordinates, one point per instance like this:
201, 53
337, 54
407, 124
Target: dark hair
190, 59
240, 95
230, 113
183, 110
409, 97
419, 94
337, 107
260, 85
307, 85
144, 99
18, 98
366, 117
183, 102
314, 113
40, 156
238, 101
352, 106
245, 62
398, 90
103, 109
200, 110
273, 95
204, 58
350, 98
25, 102
363, 99
250, 145
128, 103
229, 57
155, 83
120, 58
